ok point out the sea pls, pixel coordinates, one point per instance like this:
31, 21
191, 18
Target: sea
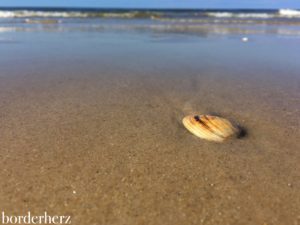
203, 22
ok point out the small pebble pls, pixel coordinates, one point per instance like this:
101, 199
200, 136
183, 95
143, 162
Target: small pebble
245, 39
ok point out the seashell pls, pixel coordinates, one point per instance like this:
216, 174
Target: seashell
211, 128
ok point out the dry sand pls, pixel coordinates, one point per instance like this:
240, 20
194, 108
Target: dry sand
109, 148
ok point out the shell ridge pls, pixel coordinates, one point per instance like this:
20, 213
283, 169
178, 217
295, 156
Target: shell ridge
215, 126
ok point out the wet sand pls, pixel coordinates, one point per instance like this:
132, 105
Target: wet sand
101, 139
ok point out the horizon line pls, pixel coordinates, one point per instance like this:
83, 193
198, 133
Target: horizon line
135, 8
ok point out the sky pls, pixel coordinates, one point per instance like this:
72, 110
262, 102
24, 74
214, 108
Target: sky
271, 4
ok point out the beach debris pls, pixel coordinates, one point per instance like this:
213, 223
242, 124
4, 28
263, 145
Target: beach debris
211, 128
245, 39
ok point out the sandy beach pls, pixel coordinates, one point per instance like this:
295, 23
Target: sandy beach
92, 128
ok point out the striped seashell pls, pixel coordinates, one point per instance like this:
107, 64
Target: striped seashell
211, 128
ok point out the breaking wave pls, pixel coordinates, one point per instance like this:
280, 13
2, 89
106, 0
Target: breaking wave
75, 14
163, 15
240, 15
289, 13
282, 13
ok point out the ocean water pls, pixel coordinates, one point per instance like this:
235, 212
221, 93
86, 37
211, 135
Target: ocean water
201, 22
76, 42
239, 41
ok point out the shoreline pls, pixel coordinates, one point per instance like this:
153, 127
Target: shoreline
92, 129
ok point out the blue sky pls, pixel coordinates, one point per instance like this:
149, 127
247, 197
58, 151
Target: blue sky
158, 3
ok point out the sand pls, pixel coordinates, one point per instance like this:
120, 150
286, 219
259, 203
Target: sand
104, 143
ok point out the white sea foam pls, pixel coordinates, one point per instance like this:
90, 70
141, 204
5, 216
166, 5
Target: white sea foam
27, 14
220, 14
282, 13
240, 15
70, 14
6, 14
289, 13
